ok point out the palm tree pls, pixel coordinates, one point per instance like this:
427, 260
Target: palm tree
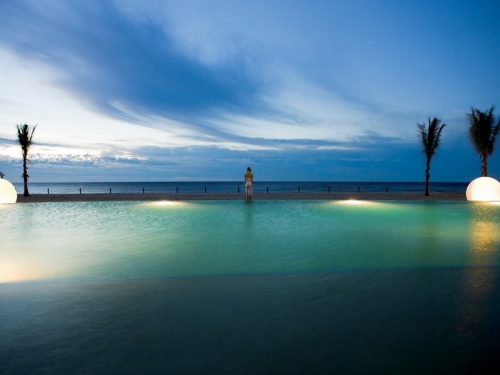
482, 134
24, 137
430, 137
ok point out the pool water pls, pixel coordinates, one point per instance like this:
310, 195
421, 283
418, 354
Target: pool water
261, 287
129, 240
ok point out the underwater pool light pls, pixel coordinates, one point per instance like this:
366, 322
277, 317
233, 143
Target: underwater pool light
8, 193
165, 204
483, 189
355, 202
358, 203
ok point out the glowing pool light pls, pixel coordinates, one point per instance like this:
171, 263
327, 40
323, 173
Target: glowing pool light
355, 202
8, 193
483, 189
165, 203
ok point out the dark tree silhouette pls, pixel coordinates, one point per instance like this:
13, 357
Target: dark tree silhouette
482, 134
24, 137
430, 138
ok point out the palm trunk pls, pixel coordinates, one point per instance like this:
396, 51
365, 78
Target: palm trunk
427, 177
25, 178
484, 168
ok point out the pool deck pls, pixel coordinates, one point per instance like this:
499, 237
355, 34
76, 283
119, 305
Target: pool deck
434, 196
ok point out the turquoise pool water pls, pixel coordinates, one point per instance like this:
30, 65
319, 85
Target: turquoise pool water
269, 287
124, 240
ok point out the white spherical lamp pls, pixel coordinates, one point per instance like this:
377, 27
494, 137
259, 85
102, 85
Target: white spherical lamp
483, 189
8, 193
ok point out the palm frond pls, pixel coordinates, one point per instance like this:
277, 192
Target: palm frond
25, 137
423, 138
482, 133
496, 131
430, 136
437, 128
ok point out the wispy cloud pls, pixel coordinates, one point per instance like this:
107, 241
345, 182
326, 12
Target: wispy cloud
111, 61
129, 67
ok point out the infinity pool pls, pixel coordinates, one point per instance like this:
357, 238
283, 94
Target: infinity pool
262, 287
132, 240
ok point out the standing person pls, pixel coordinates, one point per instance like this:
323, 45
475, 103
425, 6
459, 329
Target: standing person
248, 183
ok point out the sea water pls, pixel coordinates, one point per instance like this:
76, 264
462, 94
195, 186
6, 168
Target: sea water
233, 186
262, 287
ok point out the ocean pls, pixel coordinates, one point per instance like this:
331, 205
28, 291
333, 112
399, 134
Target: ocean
233, 186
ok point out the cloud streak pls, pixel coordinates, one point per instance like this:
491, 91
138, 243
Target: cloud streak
111, 61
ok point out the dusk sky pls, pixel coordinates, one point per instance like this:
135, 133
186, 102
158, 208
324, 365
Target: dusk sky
199, 90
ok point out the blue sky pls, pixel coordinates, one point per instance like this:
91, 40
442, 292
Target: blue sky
199, 90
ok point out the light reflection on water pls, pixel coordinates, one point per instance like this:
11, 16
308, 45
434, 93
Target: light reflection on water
484, 229
124, 240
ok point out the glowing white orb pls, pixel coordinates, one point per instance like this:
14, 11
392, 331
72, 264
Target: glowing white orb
8, 193
483, 189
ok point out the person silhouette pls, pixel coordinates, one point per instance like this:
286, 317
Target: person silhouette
248, 183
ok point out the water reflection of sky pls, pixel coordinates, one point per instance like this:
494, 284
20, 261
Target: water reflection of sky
123, 240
